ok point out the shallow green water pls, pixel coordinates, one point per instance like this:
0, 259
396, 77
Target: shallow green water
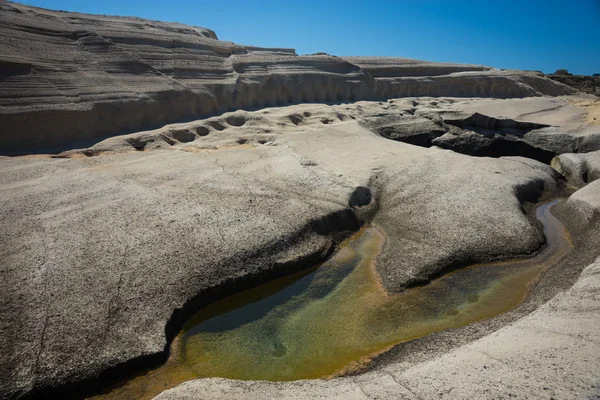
320, 322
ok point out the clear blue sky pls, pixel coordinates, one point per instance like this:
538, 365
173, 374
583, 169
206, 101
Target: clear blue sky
527, 34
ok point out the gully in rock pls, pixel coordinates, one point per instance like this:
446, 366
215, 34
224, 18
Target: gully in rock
333, 318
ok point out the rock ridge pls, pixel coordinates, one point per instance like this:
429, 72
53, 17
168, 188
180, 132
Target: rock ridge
68, 77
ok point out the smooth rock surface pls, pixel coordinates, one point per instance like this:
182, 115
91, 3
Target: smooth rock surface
582, 209
548, 354
579, 169
99, 252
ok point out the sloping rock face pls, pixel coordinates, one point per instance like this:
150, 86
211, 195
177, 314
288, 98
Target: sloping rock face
586, 84
106, 267
67, 77
103, 257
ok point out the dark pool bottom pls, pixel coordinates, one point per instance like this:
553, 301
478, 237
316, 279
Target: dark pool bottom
319, 322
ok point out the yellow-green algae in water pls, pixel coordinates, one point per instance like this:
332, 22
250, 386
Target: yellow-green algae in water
317, 322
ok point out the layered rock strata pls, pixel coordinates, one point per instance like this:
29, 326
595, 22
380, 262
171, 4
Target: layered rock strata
102, 258
67, 77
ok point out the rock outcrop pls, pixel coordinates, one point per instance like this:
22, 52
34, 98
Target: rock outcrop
180, 195
67, 77
102, 257
481, 135
413, 129
579, 169
586, 84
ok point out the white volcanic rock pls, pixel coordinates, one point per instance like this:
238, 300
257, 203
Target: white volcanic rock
580, 169
69, 77
106, 248
99, 253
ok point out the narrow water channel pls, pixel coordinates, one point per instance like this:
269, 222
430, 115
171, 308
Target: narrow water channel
319, 322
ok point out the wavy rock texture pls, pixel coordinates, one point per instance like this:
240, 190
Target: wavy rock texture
67, 77
100, 254
101, 258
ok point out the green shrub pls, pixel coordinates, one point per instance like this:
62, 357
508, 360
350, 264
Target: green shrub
562, 72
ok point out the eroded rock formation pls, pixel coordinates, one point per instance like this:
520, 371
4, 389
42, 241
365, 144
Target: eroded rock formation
580, 169
69, 77
107, 247
129, 241
481, 135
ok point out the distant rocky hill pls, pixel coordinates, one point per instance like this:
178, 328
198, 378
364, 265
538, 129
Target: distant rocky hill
586, 84
67, 77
